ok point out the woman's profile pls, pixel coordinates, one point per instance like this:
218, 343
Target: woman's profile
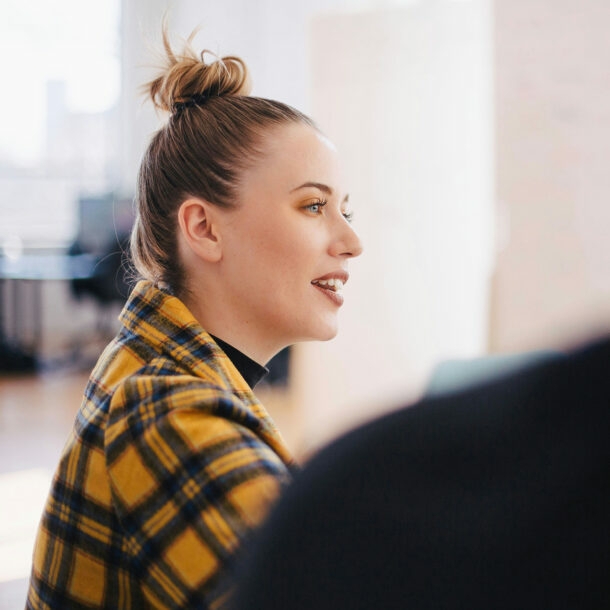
241, 243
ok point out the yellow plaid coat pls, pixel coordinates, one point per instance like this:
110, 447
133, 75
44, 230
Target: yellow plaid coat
171, 463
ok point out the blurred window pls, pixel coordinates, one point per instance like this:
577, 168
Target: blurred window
60, 70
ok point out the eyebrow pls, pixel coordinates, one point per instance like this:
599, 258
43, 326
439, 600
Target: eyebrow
317, 185
320, 186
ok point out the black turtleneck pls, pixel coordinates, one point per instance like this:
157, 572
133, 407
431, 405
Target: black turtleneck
250, 370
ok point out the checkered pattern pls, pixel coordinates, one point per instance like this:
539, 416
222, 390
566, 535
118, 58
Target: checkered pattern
171, 463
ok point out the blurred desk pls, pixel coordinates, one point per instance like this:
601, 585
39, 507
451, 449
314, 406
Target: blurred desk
47, 267
34, 269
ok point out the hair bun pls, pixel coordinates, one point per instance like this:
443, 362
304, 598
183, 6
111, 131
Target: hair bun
186, 76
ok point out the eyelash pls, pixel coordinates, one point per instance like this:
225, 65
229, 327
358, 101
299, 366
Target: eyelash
349, 216
316, 204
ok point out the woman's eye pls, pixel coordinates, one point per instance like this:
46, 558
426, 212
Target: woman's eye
349, 216
316, 208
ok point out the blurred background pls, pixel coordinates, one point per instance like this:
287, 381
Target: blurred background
476, 139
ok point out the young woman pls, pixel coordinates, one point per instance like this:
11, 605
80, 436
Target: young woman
242, 240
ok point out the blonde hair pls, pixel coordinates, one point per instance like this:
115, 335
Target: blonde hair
213, 133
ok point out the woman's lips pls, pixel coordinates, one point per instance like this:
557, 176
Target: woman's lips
330, 292
331, 285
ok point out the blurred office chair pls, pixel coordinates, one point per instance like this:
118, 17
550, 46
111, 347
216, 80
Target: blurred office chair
109, 284
104, 225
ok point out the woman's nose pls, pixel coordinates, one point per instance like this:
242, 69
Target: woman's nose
347, 243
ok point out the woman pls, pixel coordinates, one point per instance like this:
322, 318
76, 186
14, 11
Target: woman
243, 230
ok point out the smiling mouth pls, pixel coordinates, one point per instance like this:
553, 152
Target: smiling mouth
332, 284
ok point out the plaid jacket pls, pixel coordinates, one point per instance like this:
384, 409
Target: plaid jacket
171, 463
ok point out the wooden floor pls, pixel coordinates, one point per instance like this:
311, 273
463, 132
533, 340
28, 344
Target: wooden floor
36, 415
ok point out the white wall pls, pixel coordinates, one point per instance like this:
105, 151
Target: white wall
405, 92
140, 36
552, 61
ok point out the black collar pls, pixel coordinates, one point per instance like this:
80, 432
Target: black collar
250, 370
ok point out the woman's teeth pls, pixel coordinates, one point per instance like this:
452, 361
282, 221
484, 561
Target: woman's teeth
333, 284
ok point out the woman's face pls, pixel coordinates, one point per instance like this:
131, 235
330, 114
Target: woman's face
287, 244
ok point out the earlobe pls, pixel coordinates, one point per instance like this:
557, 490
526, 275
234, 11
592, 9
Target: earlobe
196, 221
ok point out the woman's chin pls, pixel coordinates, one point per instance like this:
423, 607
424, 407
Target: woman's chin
327, 333
324, 329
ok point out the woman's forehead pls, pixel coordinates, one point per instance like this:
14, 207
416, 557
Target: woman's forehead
296, 154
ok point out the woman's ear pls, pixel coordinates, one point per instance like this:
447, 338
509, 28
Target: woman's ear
199, 231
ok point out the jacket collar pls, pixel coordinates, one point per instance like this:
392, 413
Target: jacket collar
165, 323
